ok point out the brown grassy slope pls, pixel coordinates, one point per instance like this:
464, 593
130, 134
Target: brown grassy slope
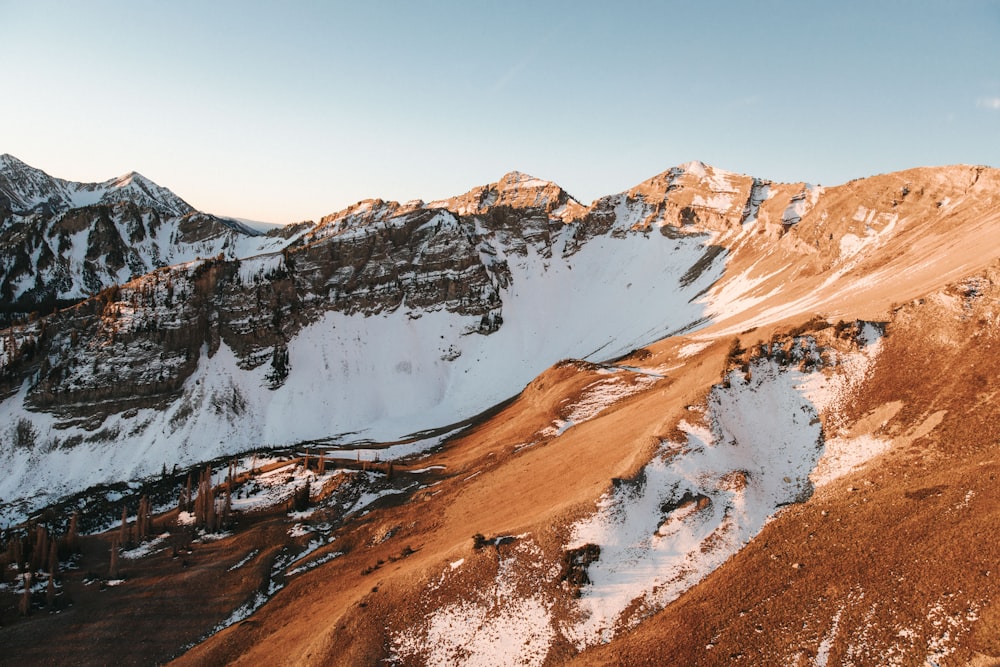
883, 556
890, 558
338, 616
165, 602
946, 227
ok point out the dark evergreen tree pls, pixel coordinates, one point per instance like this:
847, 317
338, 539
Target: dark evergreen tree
210, 513
123, 530
300, 499
72, 533
113, 571
227, 508
25, 606
40, 549
147, 517
184, 502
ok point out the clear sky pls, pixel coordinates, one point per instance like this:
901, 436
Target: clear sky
284, 111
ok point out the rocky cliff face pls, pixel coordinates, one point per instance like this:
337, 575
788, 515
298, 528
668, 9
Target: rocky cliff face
385, 318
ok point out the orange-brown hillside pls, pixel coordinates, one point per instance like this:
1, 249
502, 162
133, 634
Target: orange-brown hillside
810, 478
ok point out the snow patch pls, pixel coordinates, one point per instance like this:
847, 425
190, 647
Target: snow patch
692, 349
595, 399
823, 651
497, 624
698, 501
718, 201
844, 455
256, 269
243, 561
828, 391
146, 548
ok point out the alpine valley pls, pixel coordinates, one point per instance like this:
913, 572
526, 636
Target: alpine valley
711, 420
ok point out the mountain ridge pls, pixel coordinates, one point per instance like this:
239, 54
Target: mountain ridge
518, 275
64, 241
32, 188
711, 403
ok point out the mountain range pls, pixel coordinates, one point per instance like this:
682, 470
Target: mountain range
713, 419
62, 241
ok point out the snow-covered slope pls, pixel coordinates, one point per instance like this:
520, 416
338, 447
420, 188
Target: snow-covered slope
745, 454
376, 368
387, 319
713, 497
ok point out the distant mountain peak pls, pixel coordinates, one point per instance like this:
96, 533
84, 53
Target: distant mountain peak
8, 160
138, 189
696, 167
515, 189
67, 240
522, 179
126, 179
29, 188
703, 170
10, 165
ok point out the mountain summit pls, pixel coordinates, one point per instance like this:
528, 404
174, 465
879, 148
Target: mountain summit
516, 190
31, 190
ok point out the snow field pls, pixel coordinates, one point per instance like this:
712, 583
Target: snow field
698, 502
376, 378
595, 399
761, 445
827, 392
498, 625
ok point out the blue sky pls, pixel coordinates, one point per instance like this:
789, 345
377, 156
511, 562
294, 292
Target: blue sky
284, 111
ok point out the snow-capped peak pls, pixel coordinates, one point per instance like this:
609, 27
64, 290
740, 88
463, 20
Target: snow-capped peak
701, 170
138, 189
29, 188
8, 161
26, 187
126, 179
66, 240
695, 168
514, 189
521, 180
